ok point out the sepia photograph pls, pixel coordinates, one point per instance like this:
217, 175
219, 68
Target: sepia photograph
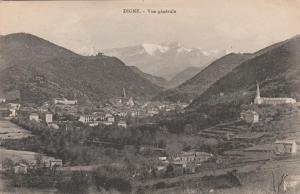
150, 97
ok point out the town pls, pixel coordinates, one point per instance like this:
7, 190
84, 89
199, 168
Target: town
125, 113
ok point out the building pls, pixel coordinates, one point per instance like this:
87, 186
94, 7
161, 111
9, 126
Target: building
52, 162
2, 100
272, 101
14, 106
55, 163
122, 124
64, 101
285, 147
12, 112
186, 158
250, 116
107, 123
21, 168
53, 125
152, 112
93, 124
87, 118
48, 117
130, 102
34, 117
109, 117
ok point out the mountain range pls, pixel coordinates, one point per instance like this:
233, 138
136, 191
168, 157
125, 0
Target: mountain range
35, 70
164, 60
203, 80
234, 76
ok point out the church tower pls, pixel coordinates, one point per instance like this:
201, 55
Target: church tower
124, 93
257, 91
258, 99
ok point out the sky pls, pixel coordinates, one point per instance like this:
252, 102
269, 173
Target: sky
234, 25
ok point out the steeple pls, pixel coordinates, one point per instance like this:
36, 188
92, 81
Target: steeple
124, 93
257, 91
258, 99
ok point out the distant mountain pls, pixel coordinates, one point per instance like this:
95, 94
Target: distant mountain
276, 68
198, 84
183, 76
164, 60
159, 81
36, 70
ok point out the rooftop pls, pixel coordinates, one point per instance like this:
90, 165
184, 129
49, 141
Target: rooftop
285, 141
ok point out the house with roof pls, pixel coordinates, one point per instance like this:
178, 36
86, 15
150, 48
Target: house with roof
21, 168
47, 117
15, 106
250, 116
190, 158
109, 117
122, 124
34, 117
285, 147
64, 101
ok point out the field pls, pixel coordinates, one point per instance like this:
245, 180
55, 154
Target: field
9, 130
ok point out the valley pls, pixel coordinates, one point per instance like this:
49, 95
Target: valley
94, 124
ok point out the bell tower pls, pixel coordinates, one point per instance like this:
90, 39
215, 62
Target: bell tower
258, 99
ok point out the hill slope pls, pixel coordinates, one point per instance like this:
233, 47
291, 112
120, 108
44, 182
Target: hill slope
152, 78
276, 68
183, 76
38, 70
194, 87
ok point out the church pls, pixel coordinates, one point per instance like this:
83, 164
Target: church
271, 101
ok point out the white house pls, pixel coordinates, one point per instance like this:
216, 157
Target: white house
250, 116
13, 112
122, 124
64, 101
21, 168
192, 157
109, 117
14, 106
87, 118
48, 117
34, 117
285, 146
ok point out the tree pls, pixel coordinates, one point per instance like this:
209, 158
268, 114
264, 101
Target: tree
278, 182
78, 184
38, 160
188, 129
8, 165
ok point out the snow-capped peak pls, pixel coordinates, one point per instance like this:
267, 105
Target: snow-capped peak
215, 52
152, 49
183, 49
